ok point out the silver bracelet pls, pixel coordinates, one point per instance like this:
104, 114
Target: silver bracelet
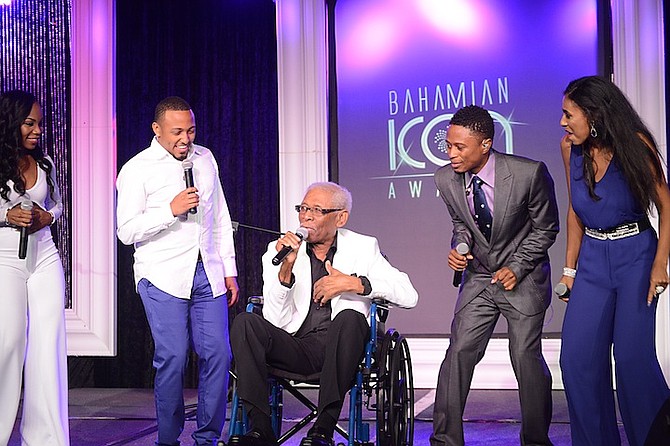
569, 272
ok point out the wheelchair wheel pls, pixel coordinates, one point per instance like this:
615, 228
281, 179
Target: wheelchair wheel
275, 391
395, 392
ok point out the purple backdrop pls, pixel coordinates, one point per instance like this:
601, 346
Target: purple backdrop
403, 68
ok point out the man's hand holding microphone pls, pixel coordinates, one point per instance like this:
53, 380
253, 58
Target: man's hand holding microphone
458, 261
188, 199
184, 201
287, 250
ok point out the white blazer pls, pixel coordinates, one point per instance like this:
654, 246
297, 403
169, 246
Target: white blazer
287, 308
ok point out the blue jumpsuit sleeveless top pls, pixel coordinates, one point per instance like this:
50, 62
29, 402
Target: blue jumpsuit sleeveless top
616, 206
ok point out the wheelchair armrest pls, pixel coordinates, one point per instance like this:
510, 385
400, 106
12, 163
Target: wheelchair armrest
255, 304
256, 300
381, 308
381, 302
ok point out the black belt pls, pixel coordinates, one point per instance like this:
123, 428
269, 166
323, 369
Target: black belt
618, 232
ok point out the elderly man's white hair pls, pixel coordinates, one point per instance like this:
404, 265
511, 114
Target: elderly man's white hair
341, 195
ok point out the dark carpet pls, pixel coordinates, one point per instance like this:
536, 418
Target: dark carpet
115, 417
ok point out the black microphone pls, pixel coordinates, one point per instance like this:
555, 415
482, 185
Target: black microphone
23, 241
188, 179
562, 291
281, 255
462, 249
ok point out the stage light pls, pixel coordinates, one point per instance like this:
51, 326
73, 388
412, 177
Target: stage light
374, 38
5, 2
457, 17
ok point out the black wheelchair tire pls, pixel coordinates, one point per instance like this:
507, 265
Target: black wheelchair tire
395, 393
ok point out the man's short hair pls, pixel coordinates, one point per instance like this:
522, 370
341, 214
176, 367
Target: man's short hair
476, 119
341, 195
172, 103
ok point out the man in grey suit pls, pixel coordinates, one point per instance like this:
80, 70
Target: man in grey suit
503, 207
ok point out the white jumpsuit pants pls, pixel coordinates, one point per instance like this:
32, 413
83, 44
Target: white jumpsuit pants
32, 340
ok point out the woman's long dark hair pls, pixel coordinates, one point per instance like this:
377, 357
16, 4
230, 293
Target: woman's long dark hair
15, 107
620, 130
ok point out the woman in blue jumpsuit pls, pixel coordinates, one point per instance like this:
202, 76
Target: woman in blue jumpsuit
615, 268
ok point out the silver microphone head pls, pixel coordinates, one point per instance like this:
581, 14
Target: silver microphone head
187, 164
561, 289
27, 205
302, 233
462, 248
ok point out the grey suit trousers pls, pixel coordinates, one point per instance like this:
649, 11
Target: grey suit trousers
471, 330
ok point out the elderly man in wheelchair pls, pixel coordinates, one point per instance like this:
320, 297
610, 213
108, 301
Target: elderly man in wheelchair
315, 315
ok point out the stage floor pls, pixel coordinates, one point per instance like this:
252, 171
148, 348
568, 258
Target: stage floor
115, 417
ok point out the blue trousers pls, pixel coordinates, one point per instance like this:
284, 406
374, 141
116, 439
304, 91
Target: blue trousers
176, 324
608, 307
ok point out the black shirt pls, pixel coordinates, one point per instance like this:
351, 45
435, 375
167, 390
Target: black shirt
318, 317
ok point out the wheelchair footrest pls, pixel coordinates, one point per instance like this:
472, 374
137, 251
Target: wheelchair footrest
309, 441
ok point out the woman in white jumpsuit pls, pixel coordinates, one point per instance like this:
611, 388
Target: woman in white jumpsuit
32, 290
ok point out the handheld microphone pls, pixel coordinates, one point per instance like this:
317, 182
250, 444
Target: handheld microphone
562, 291
281, 255
462, 249
23, 240
188, 179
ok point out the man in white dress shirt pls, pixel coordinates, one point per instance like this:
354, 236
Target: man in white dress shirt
185, 267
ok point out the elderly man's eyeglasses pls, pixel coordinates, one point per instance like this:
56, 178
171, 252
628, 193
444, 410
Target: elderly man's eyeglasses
302, 209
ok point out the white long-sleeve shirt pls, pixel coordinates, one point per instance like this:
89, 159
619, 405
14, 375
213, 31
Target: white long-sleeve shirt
167, 247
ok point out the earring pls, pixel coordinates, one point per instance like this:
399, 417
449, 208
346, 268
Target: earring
594, 132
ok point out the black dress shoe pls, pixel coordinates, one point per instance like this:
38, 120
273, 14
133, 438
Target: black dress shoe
251, 438
317, 436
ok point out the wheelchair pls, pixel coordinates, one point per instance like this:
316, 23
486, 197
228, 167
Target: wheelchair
383, 384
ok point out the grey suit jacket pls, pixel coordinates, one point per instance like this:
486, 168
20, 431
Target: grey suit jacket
525, 225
